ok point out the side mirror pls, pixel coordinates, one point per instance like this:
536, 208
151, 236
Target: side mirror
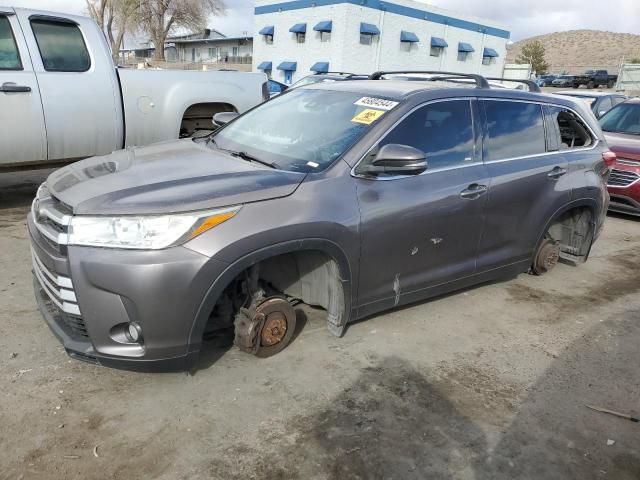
222, 118
396, 159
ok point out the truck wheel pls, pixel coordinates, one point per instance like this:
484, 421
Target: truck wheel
591, 84
546, 257
610, 84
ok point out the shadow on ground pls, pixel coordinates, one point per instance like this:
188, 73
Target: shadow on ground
393, 422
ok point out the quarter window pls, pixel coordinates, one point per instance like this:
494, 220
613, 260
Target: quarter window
61, 46
572, 131
9, 57
514, 129
442, 130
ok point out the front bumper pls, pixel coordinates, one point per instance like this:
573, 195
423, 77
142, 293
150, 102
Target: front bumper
87, 296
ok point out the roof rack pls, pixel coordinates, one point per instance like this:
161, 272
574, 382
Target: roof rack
346, 74
533, 86
481, 82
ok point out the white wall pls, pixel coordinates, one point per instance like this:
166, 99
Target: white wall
344, 52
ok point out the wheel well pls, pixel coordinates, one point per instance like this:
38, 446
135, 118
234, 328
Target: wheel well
199, 117
574, 229
310, 276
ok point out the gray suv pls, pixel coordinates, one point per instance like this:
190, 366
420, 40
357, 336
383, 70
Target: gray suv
355, 197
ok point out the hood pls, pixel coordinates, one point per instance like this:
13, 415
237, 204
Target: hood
624, 145
168, 177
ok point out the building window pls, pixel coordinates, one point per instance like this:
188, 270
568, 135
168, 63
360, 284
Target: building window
366, 39
234, 51
436, 51
488, 60
325, 36
268, 39
462, 56
300, 37
406, 46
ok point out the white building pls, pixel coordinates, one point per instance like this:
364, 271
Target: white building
294, 38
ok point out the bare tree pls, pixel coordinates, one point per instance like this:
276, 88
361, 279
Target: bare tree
159, 17
115, 18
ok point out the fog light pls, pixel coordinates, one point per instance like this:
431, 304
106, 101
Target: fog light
133, 332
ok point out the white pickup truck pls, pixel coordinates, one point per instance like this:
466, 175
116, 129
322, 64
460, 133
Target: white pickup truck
62, 99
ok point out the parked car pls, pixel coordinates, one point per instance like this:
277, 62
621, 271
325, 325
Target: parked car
599, 102
563, 81
355, 197
327, 77
61, 99
621, 127
595, 78
545, 80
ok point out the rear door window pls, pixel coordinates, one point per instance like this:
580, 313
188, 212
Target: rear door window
9, 57
514, 129
61, 46
571, 129
442, 130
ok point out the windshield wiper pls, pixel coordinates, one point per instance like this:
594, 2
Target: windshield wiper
251, 158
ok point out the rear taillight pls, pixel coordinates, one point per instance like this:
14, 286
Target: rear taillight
609, 158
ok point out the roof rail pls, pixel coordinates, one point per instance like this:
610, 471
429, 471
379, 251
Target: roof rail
533, 86
481, 82
346, 74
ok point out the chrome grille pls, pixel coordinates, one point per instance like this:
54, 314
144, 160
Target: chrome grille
58, 288
622, 178
50, 217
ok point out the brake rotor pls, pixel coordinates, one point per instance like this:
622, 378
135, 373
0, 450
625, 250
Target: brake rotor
547, 257
274, 329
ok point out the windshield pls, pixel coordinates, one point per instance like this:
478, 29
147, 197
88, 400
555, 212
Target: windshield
624, 118
303, 130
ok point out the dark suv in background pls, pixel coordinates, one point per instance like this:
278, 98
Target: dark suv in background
354, 197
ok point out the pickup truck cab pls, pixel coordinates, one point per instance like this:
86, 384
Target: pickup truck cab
355, 197
62, 99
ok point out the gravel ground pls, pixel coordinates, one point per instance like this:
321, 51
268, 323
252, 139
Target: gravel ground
488, 383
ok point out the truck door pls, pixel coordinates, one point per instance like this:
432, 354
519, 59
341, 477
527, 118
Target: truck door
78, 85
22, 134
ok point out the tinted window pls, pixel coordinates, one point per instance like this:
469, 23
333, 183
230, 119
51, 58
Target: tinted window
9, 58
617, 100
625, 118
604, 105
514, 129
61, 46
571, 132
442, 130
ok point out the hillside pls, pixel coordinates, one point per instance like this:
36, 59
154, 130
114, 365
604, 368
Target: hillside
577, 50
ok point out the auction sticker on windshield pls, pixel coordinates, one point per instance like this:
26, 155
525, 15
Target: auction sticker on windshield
379, 103
368, 116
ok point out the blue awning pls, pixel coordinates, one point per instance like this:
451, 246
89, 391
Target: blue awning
490, 52
288, 66
465, 47
299, 28
439, 42
265, 66
266, 31
320, 67
408, 37
369, 29
325, 26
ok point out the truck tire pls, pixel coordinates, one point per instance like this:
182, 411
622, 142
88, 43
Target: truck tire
591, 84
610, 84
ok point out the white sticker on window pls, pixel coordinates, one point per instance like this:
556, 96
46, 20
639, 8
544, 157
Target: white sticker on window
313, 164
379, 103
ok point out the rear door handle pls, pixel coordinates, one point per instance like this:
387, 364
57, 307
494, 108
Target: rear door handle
557, 172
473, 191
10, 87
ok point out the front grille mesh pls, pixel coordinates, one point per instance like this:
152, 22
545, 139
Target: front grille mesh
622, 178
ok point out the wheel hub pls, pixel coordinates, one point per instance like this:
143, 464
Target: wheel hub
275, 327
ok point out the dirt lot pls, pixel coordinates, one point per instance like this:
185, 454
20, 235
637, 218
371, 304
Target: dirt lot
484, 384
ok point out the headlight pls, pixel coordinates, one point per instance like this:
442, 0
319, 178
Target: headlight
149, 233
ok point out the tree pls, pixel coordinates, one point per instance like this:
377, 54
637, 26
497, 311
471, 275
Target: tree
635, 60
159, 17
532, 52
115, 18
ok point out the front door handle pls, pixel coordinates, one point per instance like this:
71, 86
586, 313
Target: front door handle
473, 191
557, 172
10, 87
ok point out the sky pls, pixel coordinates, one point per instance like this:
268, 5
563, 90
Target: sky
525, 18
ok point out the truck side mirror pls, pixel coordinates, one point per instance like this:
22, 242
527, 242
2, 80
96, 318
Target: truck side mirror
396, 159
222, 118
